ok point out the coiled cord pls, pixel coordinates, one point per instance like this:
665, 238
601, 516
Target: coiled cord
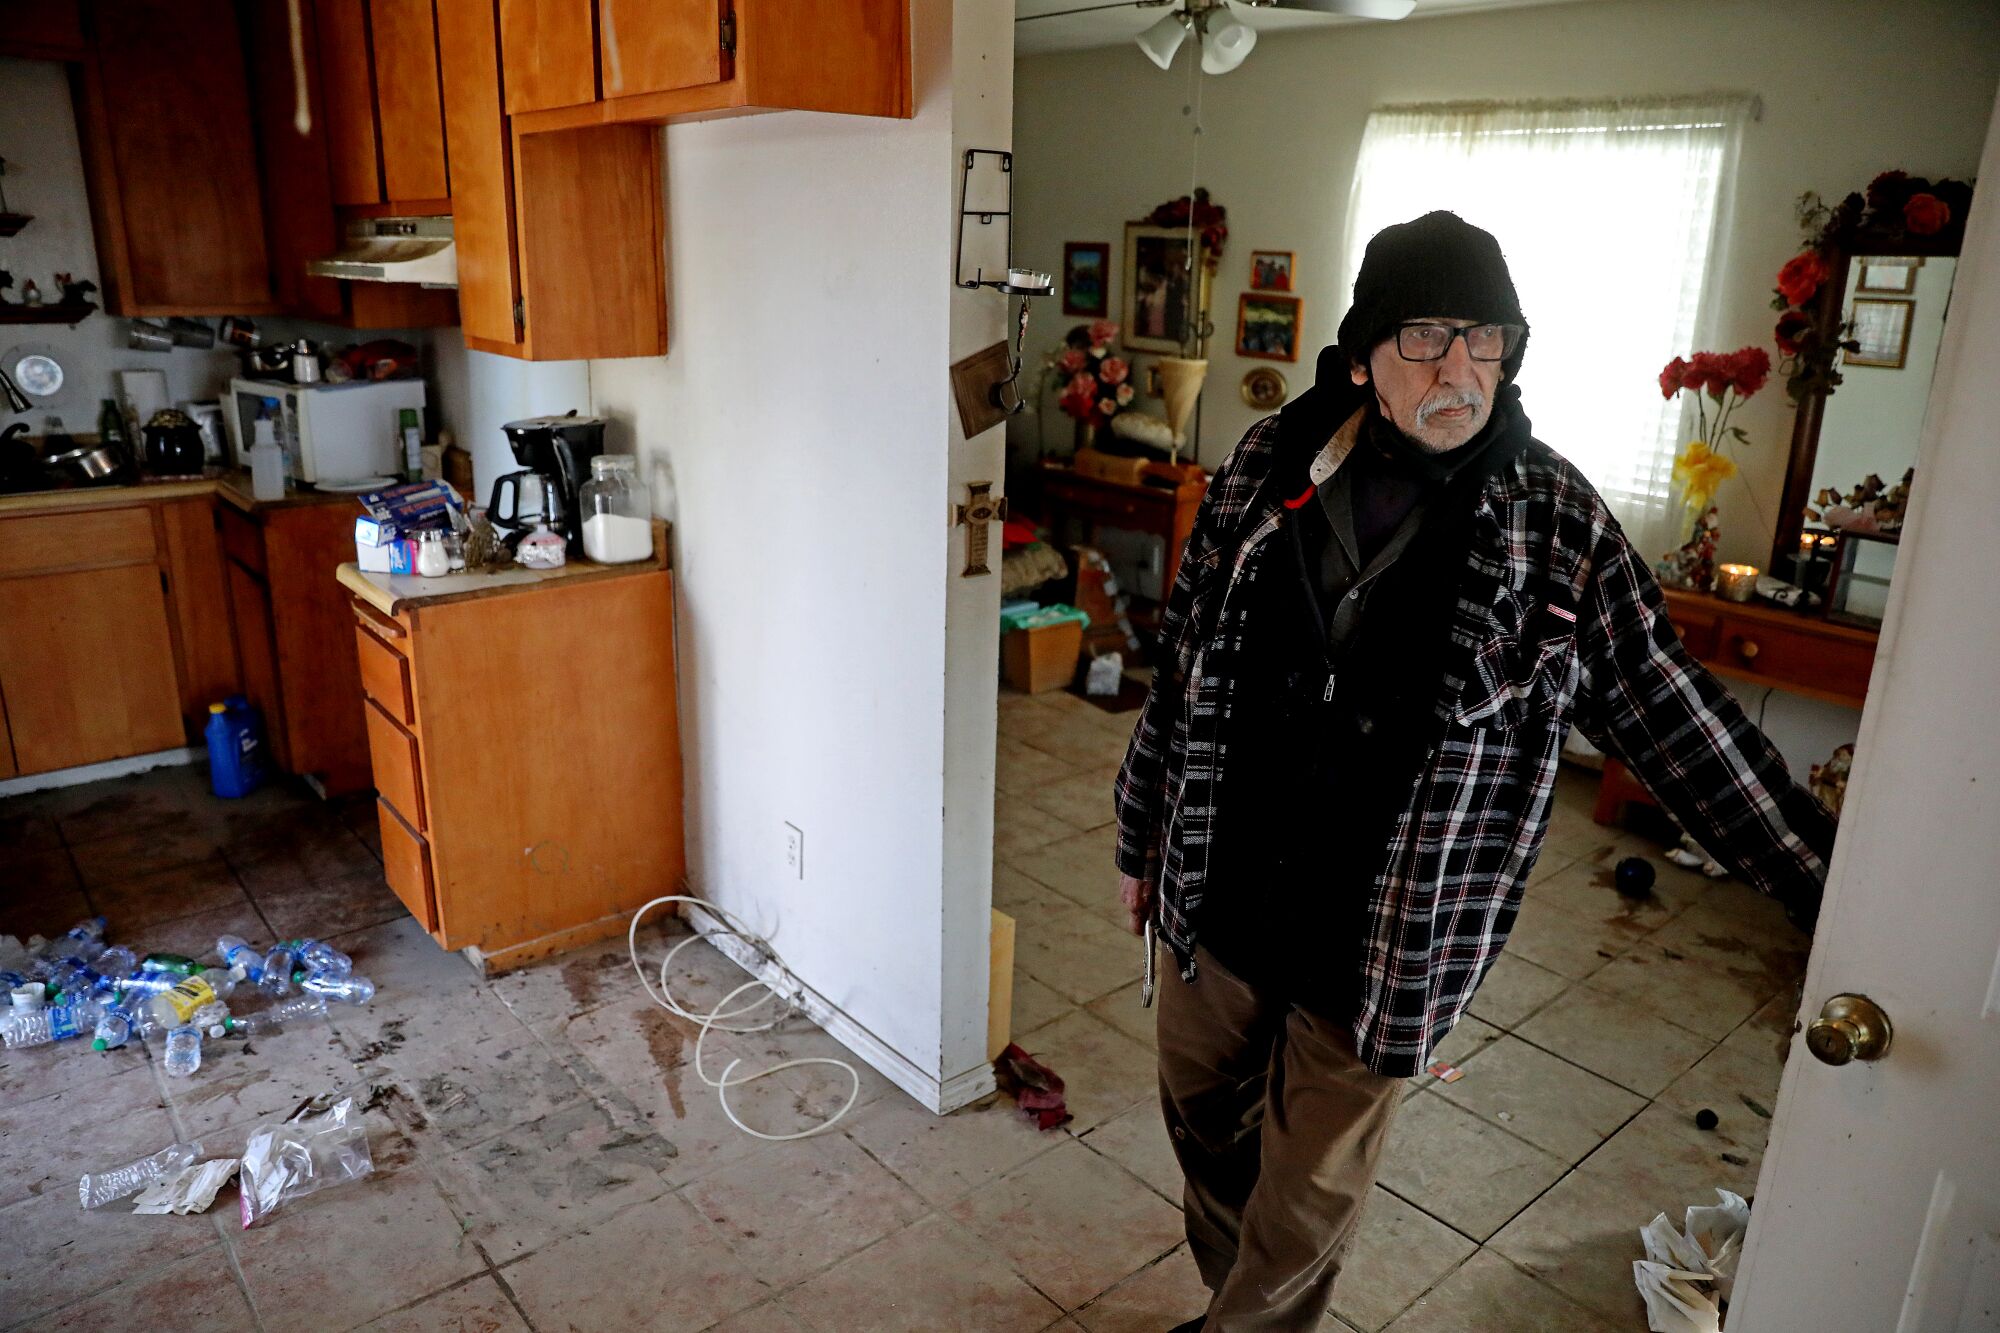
721, 1016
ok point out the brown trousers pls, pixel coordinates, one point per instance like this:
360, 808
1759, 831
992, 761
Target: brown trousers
1279, 1128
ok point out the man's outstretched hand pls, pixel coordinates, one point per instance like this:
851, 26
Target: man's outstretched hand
1137, 895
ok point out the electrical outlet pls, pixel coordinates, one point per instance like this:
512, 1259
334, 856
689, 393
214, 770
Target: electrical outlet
795, 851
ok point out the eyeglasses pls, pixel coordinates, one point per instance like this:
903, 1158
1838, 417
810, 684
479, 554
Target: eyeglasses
1424, 341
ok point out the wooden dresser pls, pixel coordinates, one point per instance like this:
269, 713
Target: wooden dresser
1755, 644
526, 749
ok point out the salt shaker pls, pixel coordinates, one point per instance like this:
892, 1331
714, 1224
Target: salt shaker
433, 561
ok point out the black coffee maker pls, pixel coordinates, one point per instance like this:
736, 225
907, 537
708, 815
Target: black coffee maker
556, 451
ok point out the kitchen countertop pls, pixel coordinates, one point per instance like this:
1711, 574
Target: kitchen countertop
231, 485
393, 594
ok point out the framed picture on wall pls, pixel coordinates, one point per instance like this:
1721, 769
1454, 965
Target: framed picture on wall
1270, 270
1883, 330
1267, 326
1892, 274
1086, 274
1166, 297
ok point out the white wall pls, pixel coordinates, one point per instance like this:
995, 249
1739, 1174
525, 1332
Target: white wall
833, 673
1850, 88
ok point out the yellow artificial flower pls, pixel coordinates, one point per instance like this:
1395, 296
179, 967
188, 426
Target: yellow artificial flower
1700, 470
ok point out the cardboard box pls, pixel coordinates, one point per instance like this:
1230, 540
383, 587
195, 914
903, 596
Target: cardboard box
1042, 659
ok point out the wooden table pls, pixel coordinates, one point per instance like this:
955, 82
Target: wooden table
1167, 511
1758, 644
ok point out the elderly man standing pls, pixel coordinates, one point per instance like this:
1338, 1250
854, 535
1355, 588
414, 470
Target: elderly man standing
1394, 605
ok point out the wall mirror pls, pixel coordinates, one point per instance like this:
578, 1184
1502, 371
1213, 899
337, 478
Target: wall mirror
1863, 351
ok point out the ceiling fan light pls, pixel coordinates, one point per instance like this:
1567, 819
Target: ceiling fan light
1163, 39
1226, 43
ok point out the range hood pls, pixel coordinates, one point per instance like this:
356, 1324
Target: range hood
416, 250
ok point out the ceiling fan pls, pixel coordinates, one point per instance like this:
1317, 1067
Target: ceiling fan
1223, 38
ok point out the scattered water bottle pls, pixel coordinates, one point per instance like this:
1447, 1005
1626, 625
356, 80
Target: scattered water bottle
177, 1007
236, 952
276, 977
113, 1031
342, 990
39, 1027
81, 940
299, 1009
115, 963
101, 1187
183, 1051
147, 983
319, 956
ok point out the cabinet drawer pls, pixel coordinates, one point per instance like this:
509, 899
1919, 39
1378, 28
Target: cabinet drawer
398, 776
406, 861
62, 541
385, 675
1789, 656
242, 540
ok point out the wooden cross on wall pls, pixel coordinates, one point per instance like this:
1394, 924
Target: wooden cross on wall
981, 507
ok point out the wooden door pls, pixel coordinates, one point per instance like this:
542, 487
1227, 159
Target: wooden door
482, 171
549, 50
653, 46
1877, 1205
257, 657
294, 167
87, 667
408, 105
41, 29
353, 152
163, 112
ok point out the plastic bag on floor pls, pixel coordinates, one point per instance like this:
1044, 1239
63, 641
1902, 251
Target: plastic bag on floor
187, 1191
1105, 674
1689, 1273
288, 1161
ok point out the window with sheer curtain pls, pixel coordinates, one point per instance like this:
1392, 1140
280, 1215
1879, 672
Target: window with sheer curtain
1608, 213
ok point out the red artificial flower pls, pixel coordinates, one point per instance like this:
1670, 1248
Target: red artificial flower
1749, 368
1792, 326
1102, 331
1926, 214
1114, 370
1707, 371
1672, 377
1883, 186
1070, 361
1801, 277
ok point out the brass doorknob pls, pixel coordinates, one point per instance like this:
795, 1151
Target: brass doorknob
1849, 1027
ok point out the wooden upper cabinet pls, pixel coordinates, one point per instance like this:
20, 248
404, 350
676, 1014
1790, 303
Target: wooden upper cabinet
408, 103
41, 30
549, 51
298, 194
482, 171
353, 152
651, 46
163, 116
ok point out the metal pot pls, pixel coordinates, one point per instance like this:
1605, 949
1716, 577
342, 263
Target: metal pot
92, 463
173, 444
263, 363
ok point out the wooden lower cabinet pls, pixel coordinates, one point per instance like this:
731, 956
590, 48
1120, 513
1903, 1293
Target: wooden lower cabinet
527, 758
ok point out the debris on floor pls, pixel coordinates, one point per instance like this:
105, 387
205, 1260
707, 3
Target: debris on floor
192, 1189
1035, 1088
1444, 1071
301, 1156
1688, 1275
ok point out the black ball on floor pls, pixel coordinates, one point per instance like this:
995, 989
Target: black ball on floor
1706, 1119
1634, 877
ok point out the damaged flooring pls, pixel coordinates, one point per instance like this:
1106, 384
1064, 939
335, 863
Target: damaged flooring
547, 1159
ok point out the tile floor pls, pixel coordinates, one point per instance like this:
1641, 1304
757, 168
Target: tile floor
546, 1160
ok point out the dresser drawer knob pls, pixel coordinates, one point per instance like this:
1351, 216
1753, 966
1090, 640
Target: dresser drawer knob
1747, 649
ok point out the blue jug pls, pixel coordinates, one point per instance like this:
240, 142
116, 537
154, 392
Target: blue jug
235, 748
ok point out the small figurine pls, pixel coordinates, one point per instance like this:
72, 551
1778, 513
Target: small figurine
6, 282
1693, 566
73, 292
30, 293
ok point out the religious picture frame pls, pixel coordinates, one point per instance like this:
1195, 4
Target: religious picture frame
1270, 270
1086, 288
1891, 275
1165, 308
1882, 328
1267, 326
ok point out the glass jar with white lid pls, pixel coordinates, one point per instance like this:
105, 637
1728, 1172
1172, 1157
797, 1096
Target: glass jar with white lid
617, 513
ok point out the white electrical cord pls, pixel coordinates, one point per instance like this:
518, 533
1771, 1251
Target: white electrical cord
717, 1018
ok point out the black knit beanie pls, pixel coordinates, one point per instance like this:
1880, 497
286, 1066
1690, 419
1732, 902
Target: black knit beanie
1439, 265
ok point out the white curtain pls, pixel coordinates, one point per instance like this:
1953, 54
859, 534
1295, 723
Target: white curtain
1609, 215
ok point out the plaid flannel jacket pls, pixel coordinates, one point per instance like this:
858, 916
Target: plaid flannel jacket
1558, 622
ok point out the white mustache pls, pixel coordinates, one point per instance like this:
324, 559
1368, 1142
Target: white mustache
1446, 399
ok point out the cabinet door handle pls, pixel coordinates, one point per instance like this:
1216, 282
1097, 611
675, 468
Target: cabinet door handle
387, 629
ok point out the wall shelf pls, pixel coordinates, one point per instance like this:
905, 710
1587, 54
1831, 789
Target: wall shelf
65, 312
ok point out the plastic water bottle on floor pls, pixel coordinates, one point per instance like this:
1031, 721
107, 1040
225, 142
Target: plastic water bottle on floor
319, 956
172, 964
298, 1010
84, 938
177, 1007
341, 990
113, 1031
183, 1051
40, 1027
236, 952
98, 1188
275, 978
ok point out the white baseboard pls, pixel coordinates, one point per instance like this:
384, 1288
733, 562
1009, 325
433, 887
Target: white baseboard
110, 768
940, 1096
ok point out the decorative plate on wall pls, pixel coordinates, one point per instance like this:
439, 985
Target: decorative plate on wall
1264, 389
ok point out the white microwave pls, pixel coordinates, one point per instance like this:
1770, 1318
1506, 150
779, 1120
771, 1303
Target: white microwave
330, 432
